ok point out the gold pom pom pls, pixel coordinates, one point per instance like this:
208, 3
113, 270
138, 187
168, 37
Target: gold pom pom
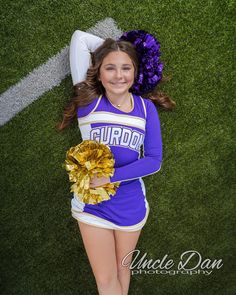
83, 162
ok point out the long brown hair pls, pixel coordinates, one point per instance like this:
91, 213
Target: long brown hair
86, 91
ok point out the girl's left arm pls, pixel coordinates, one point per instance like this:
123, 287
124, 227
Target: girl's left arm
151, 162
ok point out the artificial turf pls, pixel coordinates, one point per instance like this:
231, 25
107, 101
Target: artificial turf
192, 196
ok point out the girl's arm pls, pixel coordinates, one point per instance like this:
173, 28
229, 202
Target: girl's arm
81, 45
152, 160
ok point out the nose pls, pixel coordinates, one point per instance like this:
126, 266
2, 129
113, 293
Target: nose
119, 73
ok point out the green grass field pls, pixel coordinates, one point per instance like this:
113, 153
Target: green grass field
191, 199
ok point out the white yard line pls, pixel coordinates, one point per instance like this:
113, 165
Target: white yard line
47, 76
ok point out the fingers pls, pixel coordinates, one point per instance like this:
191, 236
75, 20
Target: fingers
93, 181
92, 184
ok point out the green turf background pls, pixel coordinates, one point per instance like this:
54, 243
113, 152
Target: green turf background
192, 197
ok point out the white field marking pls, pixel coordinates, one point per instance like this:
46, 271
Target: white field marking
47, 75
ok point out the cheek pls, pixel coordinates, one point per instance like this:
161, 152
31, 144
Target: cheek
131, 77
105, 77
102, 79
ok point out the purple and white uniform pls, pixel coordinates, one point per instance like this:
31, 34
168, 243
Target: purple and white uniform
124, 133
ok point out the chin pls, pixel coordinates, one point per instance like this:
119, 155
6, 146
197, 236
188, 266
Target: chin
118, 89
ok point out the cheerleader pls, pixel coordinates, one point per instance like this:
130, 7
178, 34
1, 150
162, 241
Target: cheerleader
114, 101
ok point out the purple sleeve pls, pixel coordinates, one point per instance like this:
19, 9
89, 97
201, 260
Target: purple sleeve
151, 162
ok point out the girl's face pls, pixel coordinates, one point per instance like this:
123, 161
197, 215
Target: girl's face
117, 73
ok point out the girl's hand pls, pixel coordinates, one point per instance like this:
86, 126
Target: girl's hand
98, 181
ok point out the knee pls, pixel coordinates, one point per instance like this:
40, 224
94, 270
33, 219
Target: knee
123, 265
105, 280
121, 268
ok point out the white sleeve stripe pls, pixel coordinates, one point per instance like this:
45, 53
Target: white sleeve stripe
96, 104
144, 107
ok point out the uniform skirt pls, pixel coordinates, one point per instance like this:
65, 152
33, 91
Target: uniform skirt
127, 210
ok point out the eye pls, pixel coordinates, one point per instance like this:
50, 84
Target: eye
125, 69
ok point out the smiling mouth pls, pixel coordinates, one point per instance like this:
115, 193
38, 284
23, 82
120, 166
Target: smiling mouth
119, 83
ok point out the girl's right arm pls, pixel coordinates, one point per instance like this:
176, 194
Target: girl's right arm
152, 160
81, 45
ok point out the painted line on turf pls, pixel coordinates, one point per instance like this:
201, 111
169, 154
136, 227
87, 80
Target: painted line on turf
47, 75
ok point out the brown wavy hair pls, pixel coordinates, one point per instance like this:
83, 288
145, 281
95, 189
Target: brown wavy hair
86, 91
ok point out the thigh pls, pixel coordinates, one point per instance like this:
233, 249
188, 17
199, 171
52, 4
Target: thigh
125, 242
100, 248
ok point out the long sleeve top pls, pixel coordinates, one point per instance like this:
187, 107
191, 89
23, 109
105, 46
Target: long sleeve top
123, 132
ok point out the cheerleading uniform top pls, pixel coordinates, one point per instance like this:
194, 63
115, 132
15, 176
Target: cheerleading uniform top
124, 133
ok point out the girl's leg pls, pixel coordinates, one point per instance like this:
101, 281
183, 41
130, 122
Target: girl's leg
100, 248
125, 242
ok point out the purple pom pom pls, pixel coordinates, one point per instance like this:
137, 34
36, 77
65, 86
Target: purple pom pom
150, 68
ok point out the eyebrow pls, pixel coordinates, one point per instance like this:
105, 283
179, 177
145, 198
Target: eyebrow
114, 65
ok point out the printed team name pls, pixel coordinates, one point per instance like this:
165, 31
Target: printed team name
118, 136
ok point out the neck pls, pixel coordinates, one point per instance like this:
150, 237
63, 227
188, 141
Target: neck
118, 98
